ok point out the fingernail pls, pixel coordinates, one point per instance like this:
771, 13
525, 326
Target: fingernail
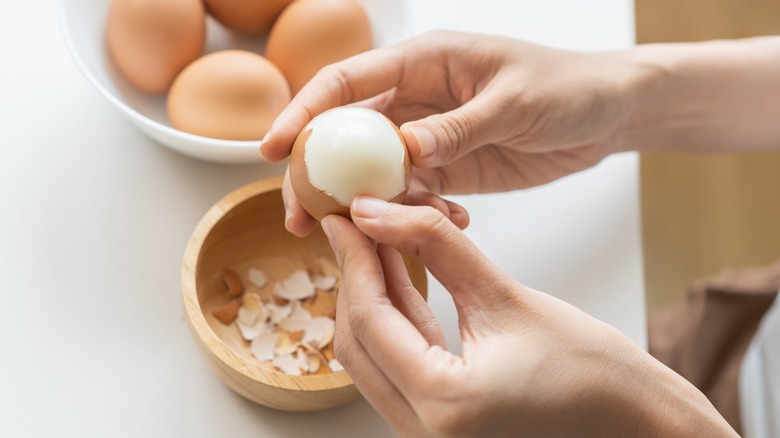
459, 218
327, 227
426, 142
369, 208
287, 216
262, 142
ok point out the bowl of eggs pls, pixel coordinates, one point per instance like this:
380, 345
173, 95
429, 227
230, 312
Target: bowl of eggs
261, 303
206, 78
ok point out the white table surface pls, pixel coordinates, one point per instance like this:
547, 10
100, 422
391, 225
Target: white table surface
95, 217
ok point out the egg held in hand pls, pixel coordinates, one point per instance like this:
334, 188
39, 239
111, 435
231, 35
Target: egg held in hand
347, 152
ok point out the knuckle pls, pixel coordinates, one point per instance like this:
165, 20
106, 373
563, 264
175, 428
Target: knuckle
428, 326
360, 317
455, 130
337, 75
433, 224
342, 349
420, 226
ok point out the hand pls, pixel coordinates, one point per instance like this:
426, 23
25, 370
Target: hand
478, 113
531, 365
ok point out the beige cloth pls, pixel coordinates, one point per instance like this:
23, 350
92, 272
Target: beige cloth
704, 338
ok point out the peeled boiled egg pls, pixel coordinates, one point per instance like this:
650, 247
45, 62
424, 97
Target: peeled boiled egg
232, 95
311, 34
246, 16
151, 41
347, 152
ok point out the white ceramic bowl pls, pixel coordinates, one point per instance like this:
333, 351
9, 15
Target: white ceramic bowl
83, 26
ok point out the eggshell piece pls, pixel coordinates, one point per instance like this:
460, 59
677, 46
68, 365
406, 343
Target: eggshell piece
311, 34
151, 41
231, 95
250, 17
349, 135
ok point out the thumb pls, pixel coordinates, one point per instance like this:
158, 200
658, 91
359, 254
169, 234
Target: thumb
424, 232
440, 139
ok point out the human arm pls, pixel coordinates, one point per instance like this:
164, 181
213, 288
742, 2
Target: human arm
531, 365
716, 96
485, 114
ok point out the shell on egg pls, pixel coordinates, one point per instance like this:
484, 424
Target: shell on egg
151, 41
230, 95
317, 202
311, 34
251, 17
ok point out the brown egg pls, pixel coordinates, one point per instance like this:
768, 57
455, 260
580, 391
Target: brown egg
151, 41
311, 34
347, 152
246, 16
232, 95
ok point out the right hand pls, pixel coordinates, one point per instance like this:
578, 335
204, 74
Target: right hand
531, 365
478, 113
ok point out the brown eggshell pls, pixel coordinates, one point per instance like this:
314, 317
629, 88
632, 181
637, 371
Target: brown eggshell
251, 17
151, 41
316, 201
232, 95
311, 34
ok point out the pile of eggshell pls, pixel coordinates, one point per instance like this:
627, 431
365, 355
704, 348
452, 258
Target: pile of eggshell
158, 45
283, 333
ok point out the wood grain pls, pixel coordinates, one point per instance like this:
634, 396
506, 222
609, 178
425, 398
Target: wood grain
704, 213
247, 228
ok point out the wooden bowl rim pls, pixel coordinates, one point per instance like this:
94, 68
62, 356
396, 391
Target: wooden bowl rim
203, 330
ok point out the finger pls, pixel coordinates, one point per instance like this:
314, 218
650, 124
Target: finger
357, 78
455, 212
368, 378
406, 298
474, 282
440, 139
380, 102
392, 342
296, 219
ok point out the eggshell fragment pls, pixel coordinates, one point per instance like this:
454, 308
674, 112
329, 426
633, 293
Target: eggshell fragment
277, 313
293, 363
324, 282
345, 152
227, 312
311, 34
257, 278
151, 41
298, 312
252, 311
251, 331
246, 16
320, 331
263, 346
231, 95
296, 287
285, 346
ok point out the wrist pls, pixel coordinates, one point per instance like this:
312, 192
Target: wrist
645, 84
651, 399
702, 97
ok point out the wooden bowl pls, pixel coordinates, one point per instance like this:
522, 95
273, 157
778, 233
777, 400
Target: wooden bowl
244, 228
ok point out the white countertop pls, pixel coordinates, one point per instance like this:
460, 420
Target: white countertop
95, 217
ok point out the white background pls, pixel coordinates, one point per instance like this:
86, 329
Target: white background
94, 218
